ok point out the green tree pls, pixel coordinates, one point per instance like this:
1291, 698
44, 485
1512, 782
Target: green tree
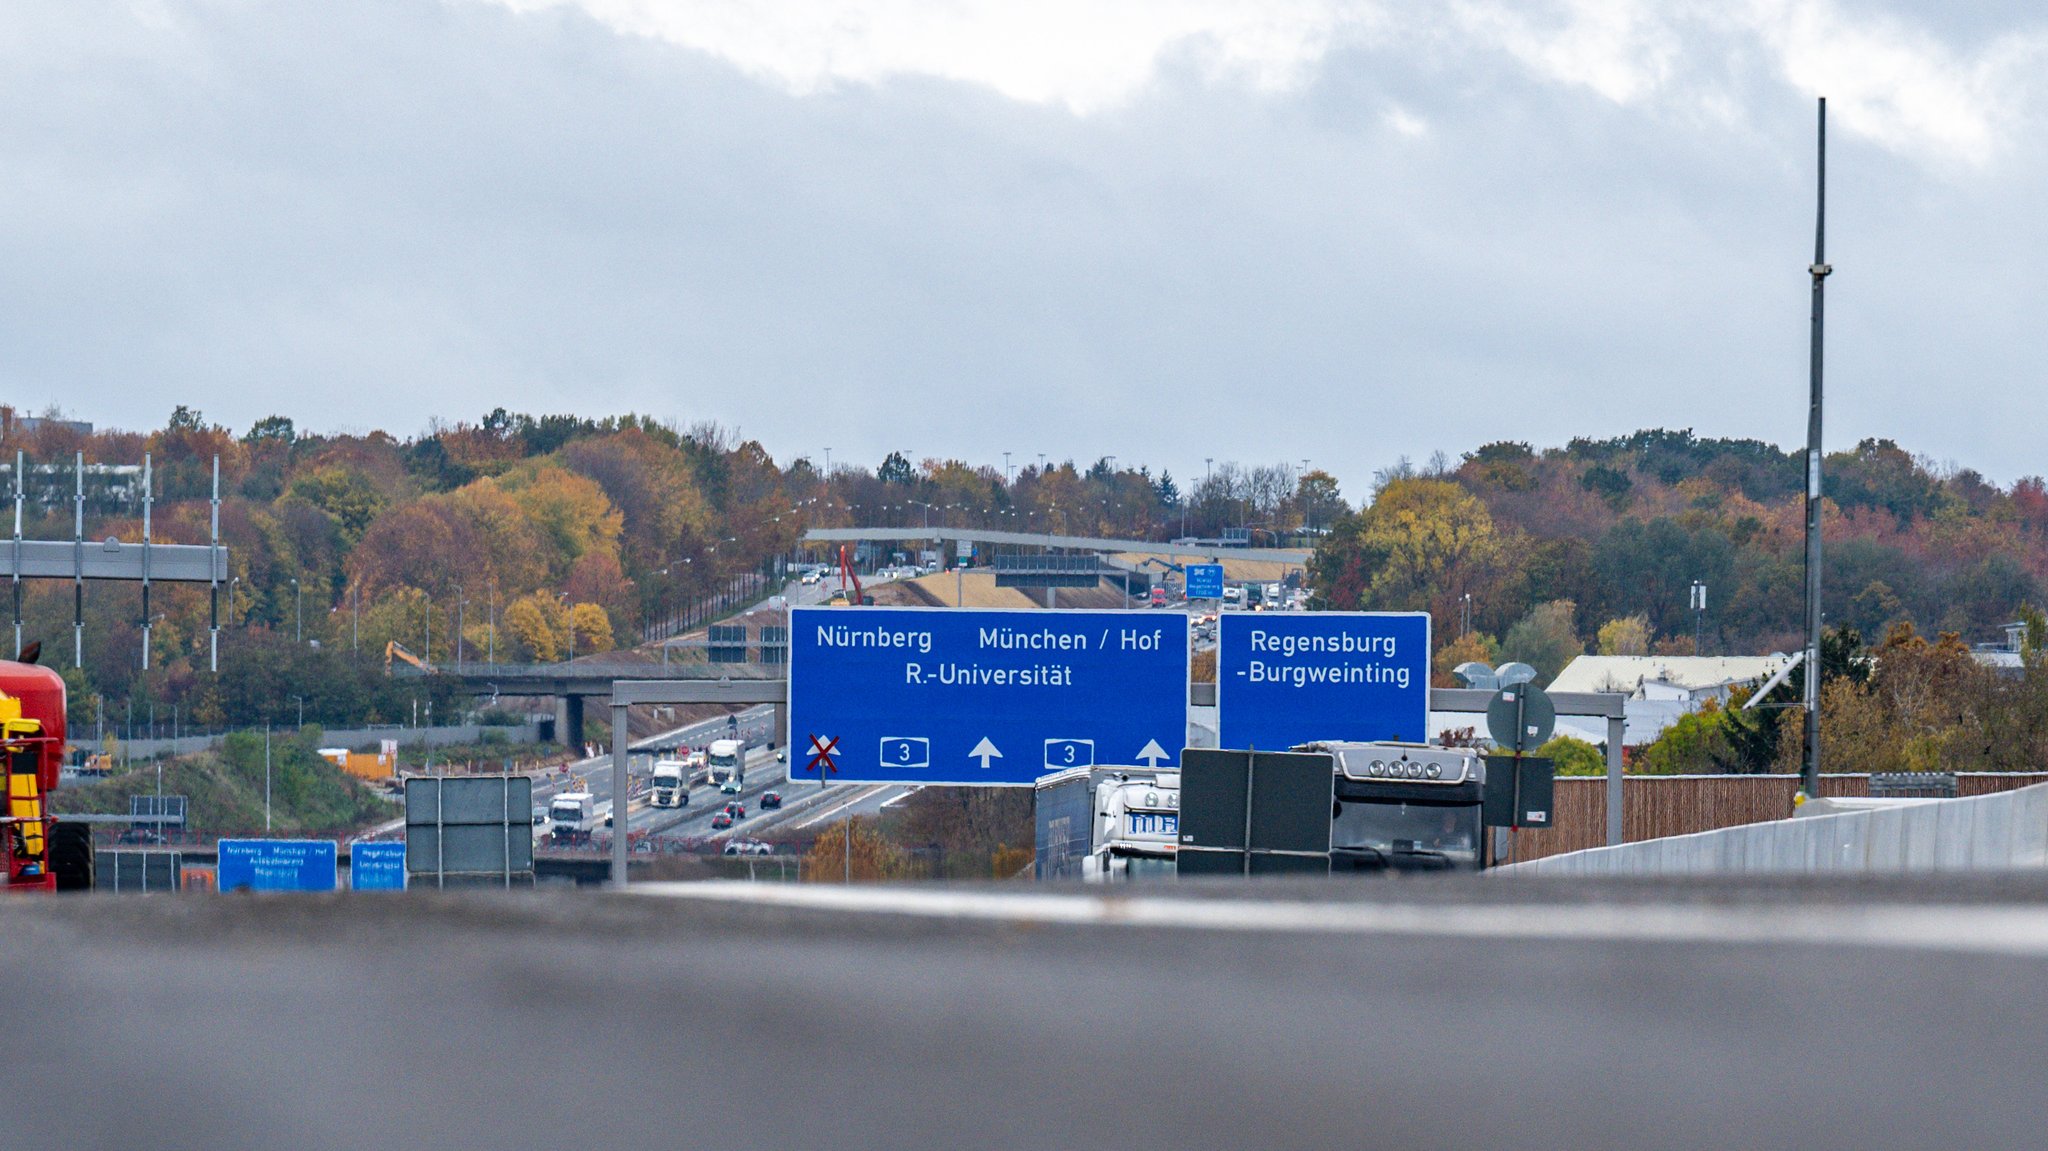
896, 469
1573, 756
1545, 639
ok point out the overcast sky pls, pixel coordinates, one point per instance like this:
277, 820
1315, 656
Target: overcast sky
1260, 230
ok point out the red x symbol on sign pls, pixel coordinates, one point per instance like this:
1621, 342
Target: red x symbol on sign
821, 755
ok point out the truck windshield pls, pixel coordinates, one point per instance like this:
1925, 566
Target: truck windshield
1409, 834
566, 814
725, 761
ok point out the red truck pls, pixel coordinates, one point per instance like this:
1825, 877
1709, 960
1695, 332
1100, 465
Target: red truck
42, 853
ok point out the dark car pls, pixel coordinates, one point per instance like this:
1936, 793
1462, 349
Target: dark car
771, 801
736, 810
721, 821
141, 835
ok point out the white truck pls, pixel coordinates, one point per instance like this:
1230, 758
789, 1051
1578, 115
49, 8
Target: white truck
671, 785
572, 816
727, 762
1108, 824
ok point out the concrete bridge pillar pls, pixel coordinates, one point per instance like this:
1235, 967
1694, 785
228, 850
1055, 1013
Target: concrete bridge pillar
569, 720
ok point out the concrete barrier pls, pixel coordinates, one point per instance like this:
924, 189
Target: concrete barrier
2001, 832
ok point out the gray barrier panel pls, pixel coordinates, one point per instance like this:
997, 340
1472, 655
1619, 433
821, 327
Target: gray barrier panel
468, 847
492, 799
158, 872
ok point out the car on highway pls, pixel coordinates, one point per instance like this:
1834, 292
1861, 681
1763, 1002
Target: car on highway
813, 577
721, 821
771, 800
736, 810
749, 847
540, 815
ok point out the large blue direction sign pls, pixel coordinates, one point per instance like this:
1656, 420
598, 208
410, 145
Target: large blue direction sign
276, 865
1202, 581
943, 696
377, 866
1288, 678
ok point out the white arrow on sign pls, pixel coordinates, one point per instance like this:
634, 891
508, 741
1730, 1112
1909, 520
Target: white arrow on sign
984, 751
1152, 753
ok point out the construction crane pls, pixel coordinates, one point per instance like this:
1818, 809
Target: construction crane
847, 579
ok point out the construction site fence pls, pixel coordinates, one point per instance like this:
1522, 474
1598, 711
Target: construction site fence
1999, 831
1659, 806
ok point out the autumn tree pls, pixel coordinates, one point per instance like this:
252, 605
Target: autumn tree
869, 858
1629, 635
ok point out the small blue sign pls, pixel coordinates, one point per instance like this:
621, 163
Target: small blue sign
944, 696
1202, 581
376, 866
276, 865
1289, 678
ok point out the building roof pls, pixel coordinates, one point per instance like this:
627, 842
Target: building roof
1626, 673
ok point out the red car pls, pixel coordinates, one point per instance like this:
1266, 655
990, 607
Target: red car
721, 821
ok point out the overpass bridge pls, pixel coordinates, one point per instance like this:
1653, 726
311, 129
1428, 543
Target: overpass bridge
1196, 550
573, 683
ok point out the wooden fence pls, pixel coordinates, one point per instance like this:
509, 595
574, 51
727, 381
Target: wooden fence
1658, 805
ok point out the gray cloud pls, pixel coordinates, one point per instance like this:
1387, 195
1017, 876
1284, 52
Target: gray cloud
386, 211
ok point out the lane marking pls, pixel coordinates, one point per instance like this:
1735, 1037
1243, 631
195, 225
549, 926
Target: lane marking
828, 813
1977, 929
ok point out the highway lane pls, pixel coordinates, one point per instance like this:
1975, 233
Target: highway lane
754, 725
914, 1030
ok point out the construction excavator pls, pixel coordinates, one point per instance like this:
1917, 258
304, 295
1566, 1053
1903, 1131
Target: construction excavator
397, 650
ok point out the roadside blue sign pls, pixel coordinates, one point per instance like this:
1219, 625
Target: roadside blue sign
1203, 581
376, 866
1288, 678
944, 696
276, 865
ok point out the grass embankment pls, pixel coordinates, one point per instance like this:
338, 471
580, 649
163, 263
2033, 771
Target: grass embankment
224, 789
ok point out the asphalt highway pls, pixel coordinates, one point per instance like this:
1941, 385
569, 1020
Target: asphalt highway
1487, 1013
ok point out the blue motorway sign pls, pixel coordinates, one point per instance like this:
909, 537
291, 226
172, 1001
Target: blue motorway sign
276, 865
1288, 678
377, 866
1202, 581
945, 696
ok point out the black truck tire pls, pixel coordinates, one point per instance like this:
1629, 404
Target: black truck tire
71, 857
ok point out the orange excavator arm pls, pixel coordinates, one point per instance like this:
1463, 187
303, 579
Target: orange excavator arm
848, 578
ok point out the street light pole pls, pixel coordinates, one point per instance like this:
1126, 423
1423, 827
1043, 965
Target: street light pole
298, 612
1809, 769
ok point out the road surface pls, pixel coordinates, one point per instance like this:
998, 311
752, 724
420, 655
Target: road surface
562, 1019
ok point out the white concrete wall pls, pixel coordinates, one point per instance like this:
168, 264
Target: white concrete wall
2002, 832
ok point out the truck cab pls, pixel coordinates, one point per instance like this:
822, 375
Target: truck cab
1108, 824
726, 759
1405, 806
572, 816
671, 785
1137, 828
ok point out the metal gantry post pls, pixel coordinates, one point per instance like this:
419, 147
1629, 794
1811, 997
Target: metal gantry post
620, 827
213, 579
78, 564
1617, 730
1809, 769
20, 461
148, 501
